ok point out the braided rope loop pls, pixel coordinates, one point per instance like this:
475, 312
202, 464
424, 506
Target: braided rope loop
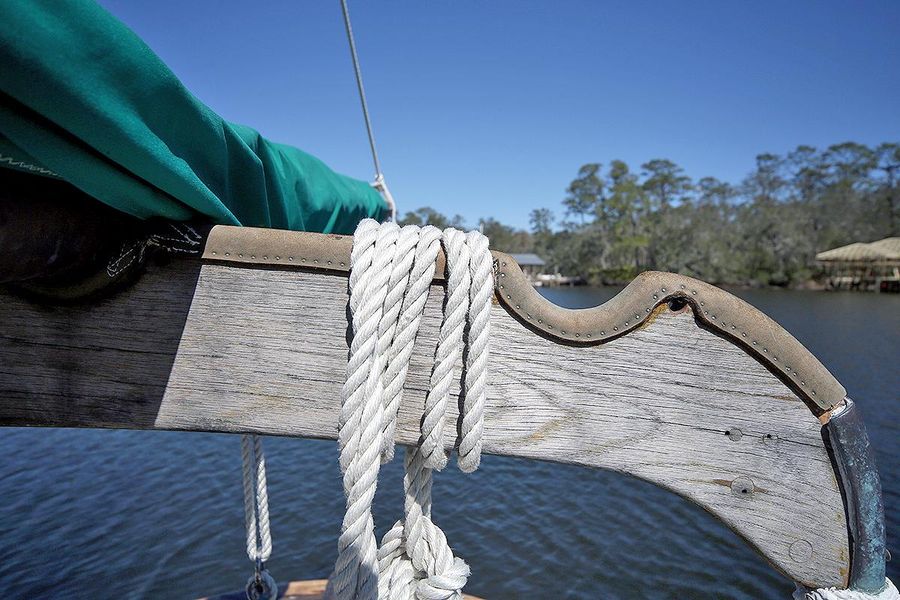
261, 585
256, 499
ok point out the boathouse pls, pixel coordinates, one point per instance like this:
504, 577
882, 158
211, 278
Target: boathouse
532, 264
860, 266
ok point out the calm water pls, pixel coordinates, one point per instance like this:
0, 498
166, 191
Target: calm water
102, 514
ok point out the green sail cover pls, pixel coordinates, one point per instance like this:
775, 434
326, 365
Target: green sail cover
84, 99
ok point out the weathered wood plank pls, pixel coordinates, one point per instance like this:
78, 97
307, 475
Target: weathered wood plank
265, 350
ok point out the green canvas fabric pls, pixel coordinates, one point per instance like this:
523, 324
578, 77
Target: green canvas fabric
84, 99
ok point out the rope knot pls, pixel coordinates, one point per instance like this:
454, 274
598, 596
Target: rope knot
445, 585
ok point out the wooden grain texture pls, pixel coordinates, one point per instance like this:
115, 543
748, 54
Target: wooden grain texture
717, 309
100, 365
265, 350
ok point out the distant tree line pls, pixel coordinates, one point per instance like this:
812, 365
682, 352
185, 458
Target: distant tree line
764, 231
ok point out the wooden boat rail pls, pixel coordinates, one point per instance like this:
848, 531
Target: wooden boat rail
673, 381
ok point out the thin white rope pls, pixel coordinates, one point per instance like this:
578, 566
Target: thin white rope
256, 517
888, 593
391, 273
379, 182
381, 185
256, 499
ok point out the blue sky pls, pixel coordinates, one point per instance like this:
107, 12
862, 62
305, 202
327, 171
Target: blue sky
489, 108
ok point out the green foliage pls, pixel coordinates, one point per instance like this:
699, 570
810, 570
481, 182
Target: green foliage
764, 231
428, 216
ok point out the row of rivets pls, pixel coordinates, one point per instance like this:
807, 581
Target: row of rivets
303, 260
744, 335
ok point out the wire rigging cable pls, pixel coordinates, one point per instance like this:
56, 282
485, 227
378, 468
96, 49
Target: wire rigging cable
379, 182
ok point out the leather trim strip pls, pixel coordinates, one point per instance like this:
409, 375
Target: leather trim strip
714, 308
258, 246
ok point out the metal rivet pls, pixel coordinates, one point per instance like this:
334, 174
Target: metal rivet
734, 434
265, 258
615, 328
655, 297
277, 258
214, 253
663, 290
240, 256
742, 486
227, 254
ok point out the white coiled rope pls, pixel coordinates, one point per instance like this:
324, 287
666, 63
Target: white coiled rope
888, 593
391, 273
